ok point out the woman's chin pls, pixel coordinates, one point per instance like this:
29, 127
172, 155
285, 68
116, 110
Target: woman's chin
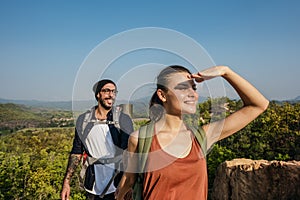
189, 111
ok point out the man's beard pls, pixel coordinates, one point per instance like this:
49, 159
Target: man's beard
106, 107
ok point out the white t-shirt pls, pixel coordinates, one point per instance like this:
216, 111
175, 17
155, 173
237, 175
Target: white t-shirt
100, 145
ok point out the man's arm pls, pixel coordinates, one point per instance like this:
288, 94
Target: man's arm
74, 161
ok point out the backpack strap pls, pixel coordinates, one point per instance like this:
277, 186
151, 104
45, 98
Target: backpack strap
144, 144
200, 135
116, 171
104, 161
87, 119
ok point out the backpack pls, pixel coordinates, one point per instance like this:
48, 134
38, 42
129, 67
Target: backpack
87, 173
144, 144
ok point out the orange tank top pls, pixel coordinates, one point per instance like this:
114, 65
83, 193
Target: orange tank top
171, 178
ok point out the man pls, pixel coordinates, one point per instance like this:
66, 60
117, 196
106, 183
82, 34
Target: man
102, 133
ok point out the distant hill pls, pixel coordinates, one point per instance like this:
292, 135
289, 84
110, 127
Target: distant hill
11, 112
63, 105
297, 98
66, 105
84, 105
292, 101
16, 116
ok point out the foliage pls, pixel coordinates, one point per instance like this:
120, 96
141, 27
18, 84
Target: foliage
33, 163
274, 135
138, 123
33, 160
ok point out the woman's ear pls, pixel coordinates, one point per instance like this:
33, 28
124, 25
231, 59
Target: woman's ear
161, 95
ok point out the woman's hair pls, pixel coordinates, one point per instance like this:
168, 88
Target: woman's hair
156, 109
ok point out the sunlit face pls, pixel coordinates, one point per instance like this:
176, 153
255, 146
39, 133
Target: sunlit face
181, 97
107, 96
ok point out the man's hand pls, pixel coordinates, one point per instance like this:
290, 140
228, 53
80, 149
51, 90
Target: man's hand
74, 160
65, 193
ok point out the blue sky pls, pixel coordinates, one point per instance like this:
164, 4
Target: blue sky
44, 43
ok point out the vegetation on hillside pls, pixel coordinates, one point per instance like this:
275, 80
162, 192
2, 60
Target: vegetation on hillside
33, 163
14, 117
33, 160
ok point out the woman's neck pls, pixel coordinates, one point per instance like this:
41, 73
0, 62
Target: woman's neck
171, 123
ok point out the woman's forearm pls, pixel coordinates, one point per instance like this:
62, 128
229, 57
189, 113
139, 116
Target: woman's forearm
254, 103
247, 92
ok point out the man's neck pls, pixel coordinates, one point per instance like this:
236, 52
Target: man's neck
101, 113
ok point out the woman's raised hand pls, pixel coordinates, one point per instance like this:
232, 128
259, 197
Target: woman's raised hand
209, 73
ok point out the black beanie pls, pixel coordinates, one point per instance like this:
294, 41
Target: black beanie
99, 85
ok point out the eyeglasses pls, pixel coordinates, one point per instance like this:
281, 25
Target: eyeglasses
108, 91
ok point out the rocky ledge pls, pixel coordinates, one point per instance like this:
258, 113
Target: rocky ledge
245, 179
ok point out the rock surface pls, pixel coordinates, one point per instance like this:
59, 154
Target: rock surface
245, 179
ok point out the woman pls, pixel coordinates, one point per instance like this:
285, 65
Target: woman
184, 174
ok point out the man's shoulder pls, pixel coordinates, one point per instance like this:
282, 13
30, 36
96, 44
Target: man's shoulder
82, 117
125, 118
85, 113
125, 115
